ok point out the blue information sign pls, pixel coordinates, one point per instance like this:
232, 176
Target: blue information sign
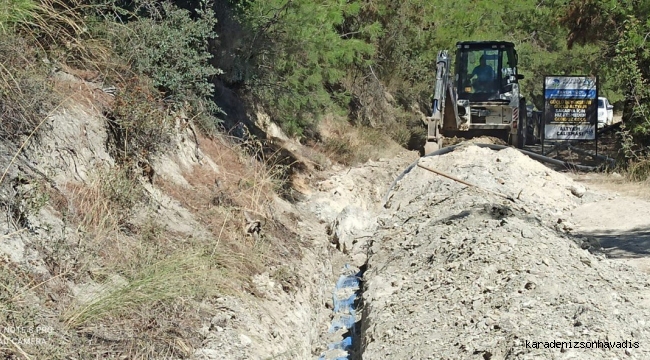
570, 107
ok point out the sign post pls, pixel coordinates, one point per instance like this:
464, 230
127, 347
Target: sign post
570, 108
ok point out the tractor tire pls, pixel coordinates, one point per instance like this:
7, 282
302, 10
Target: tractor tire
513, 139
522, 126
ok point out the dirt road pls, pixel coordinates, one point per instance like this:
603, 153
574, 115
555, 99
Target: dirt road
620, 223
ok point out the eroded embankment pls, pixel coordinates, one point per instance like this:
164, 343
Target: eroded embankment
191, 256
456, 272
451, 272
196, 257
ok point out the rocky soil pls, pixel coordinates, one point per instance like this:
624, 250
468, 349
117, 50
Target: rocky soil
441, 270
458, 272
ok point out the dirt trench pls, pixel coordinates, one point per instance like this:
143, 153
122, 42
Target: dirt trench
529, 263
441, 270
265, 287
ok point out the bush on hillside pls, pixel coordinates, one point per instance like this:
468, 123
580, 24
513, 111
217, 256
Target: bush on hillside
140, 124
171, 47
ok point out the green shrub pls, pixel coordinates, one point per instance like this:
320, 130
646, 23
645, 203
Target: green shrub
301, 57
172, 49
339, 148
140, 123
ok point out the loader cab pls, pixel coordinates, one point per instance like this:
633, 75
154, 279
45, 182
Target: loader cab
486, 70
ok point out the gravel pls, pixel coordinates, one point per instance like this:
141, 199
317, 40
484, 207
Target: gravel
457, 272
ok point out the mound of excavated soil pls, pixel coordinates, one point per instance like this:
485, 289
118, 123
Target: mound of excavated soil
448, 141
460, 273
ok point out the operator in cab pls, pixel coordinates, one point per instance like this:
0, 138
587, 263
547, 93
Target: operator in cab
484, 74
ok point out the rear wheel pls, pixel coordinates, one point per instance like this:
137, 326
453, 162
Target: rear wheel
522, 125
514, 139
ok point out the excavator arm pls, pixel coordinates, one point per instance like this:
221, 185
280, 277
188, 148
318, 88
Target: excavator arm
442, 83
444, 112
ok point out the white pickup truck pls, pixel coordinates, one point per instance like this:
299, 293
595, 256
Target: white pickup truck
605, 112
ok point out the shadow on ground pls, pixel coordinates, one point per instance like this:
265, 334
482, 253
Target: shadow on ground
622, 244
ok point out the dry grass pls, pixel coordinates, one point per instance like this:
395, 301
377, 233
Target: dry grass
638, 169
15, 308
142, 274
244, 188
36, 38
148, 310
250, 183
145, 276
138, 281
350, 144
59, 31
182, 276
242, 185
82, 93
25, 90
104, 203
143, 279
60, 23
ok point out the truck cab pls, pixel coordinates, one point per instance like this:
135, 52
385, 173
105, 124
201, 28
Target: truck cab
487, 84
486, 70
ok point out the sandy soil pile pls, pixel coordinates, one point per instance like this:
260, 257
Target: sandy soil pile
457, 272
